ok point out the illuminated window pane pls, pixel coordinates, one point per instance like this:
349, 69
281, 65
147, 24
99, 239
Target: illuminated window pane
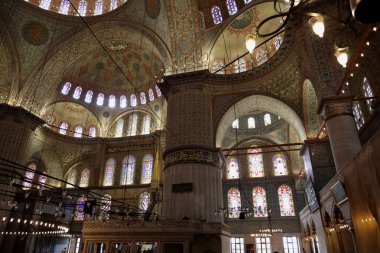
146, 124
119, 128
29, 175
216, 15
259, 202
144, 201
147, 167
132, 127
109, 172
105, 206
279, 165
88, 97
142, 98
247, 1
232, 168
367, 92
84, 178
45, 4
291, 244
285, 197
151, 95
237, 245
235, 124
133, 100
112, 101
82, 8
261, 56
358, 115
158, 91
241, 65
113, 4
64, 7
218, 65
255, 163
72, 178
263, 245
100, 99
231, 6
79, 209
98, 7
123, 101
251, 122
128, 173
66, 88
278, 42
234, 203
78, 132
63, 128
92, 132
77, 92
267, 119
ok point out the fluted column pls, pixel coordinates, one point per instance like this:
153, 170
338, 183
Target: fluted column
192, 175
341, 128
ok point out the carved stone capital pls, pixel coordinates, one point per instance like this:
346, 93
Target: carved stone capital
331, 107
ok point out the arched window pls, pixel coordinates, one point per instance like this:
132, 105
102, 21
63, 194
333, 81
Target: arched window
277, 42
100, 99
232, 168
109, 172
112, 101
235, 124
259, 202
144, 201
255, 163
151, 95
29, 175
132, 127
231, 6
84, 178
367, 89
63, 128
92, 132
285, 198
247, 1
251, 122
146, 125
105, 206
98, 7
133, 100
82, 8
119, 128
128, 172
279, 165
146, 171
202, 20
158, 91
123, 101
261, 57
88, 97
216, 15
64, 7
42, 181
142, 98
45, 4
113, 4
66, 88
241, 65
234, 203
218, 65
358, 115
79, 209
77, 92
71, 178
78, 132
267, 119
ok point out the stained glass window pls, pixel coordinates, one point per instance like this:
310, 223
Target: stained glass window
132, 128
278, 42
66, 88
82, 8
105, 206
112, 101
29, 175
144, 201
285, 197
142, 98
98, 7
63, 128
234, 203
255, 163
367, 89
251, 122
123, 101
79, 209
45, 4
113, 4
147, 167
247, 1
231, 6
158, 91
109, 172
64, 7
119, 128
235, 124
232, 168
216, 15
84, 178
128, 173
267, 119
133, 100
100, 99
151, 95
146, 124
259, 202
92, 132
218, 65
241, 65
72, 178
279, 165
77, 92
358, 115
88, 97
78, 132
261, 56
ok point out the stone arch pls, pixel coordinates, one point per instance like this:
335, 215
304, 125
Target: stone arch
310, 106
263, 103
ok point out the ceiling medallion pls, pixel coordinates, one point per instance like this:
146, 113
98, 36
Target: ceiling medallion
35, 33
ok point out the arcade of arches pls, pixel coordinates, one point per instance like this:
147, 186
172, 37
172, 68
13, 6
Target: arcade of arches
130, 126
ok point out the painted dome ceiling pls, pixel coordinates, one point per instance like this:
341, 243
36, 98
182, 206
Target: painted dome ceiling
84, 7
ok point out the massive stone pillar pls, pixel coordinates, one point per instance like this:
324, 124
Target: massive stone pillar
341, 128
192, 176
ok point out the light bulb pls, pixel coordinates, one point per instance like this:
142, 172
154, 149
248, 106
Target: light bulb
250, 42
318, 25
341, 56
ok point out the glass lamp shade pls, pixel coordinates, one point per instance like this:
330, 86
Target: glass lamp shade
250, 42
342, 56
318, 25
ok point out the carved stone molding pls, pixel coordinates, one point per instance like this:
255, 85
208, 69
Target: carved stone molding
335, 106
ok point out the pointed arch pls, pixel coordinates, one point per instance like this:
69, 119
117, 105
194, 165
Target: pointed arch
78, 132
84, 178
147, 168
232, 166
77, 92
29, 175
66, 88
112, 101
100, 99
123, 101
128, 172
259, 202
72, 178
63, 128
109, 172
133, 100
88, 97
285, 197
234, 203
142, 98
